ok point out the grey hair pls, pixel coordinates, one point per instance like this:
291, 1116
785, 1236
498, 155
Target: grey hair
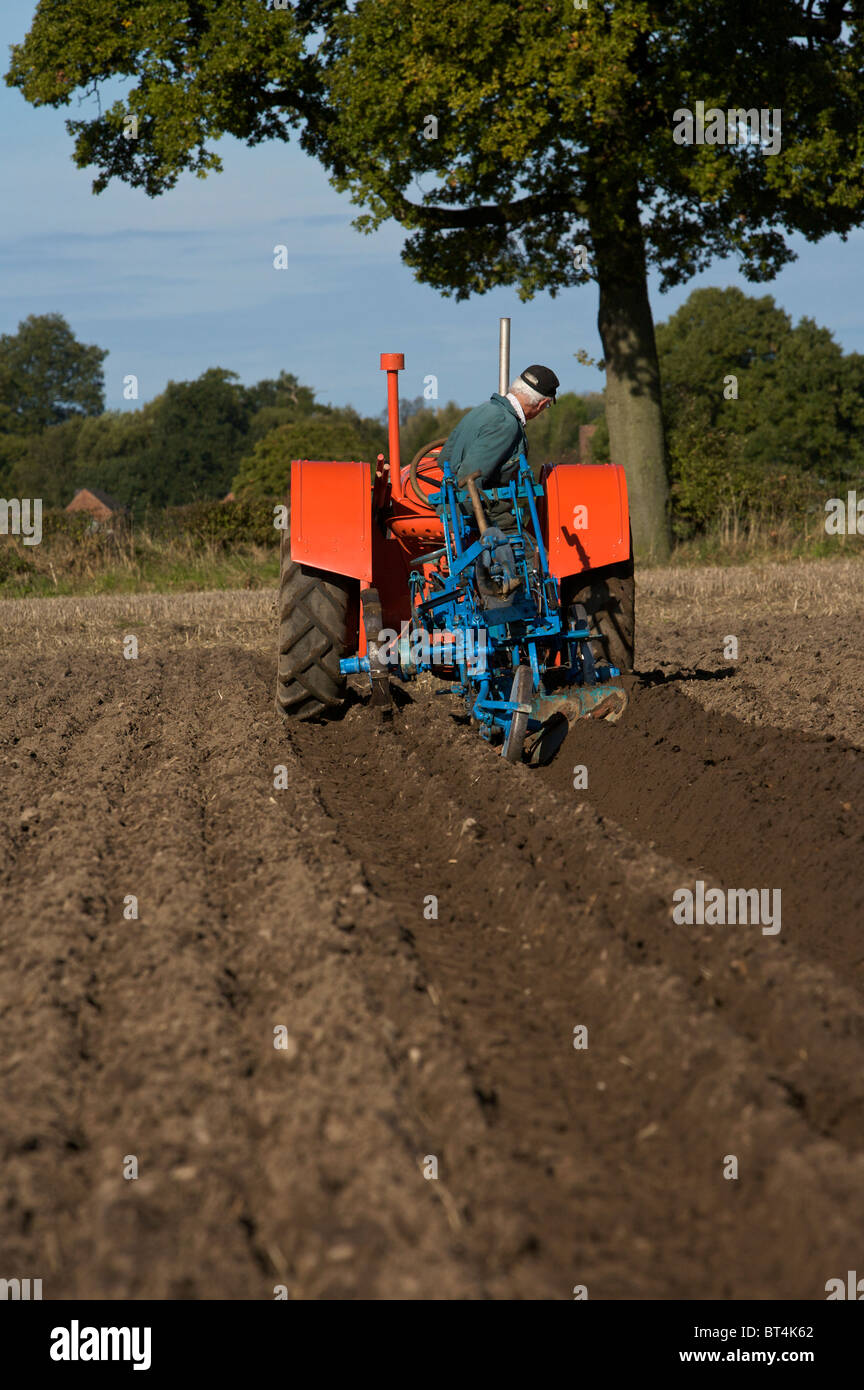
519, 387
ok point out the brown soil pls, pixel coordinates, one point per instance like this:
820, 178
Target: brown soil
409, 1037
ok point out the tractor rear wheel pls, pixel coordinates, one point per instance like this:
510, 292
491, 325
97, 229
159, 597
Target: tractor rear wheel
609, 598
317, 612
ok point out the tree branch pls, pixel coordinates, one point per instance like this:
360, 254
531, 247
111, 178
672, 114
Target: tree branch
488, 215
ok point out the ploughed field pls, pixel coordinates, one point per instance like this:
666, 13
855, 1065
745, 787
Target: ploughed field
304, 914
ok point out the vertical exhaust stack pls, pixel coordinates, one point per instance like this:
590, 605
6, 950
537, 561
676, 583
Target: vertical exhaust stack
503, 356
393, 363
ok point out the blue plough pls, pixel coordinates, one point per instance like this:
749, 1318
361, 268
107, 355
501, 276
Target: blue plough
487, 612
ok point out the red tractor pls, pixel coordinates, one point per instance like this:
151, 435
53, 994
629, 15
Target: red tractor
389, 571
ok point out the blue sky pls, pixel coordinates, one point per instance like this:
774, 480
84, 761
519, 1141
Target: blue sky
184, 282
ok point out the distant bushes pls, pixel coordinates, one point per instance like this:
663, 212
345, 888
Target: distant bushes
15, 566
713, 480
245, 521
225, 525
57, 523
266, 471
197, 545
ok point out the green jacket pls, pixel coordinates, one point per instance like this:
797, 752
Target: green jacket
487, 440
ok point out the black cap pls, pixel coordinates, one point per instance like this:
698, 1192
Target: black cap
542, 379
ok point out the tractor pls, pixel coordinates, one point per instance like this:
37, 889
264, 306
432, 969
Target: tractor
391, 571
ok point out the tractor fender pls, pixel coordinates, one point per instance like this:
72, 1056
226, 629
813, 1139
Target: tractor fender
331, 517
584, 516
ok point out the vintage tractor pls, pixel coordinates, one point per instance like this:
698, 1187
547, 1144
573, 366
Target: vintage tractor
391, 572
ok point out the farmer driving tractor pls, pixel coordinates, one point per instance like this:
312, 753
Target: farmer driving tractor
489, 439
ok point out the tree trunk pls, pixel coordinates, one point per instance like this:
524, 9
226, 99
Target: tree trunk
633, 406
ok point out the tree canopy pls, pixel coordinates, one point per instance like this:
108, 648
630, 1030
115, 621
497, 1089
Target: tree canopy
758, 411
187, 444
266, 471
792, 395
47, 375
504, 137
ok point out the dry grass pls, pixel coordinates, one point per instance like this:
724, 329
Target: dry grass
247, 618
243, 618
811, 588
131, 563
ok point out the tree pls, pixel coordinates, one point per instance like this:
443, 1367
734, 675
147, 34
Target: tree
45, 463
47, 376
183, 446
197, 434
266, 472
734, 364
282, 393
719, 333
115, 453
552, 142
422, 426
555, 433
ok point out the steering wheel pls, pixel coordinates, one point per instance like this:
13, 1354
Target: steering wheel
414, 465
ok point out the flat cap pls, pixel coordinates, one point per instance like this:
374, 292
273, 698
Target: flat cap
541, 379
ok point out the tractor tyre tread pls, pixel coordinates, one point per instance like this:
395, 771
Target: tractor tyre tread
609, 598
313, 622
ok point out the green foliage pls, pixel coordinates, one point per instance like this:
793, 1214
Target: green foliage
524, 153
713, 479
184, 445
12, 449
223, 525
799, 412
530, 157
44, 464
594, 405
47, 376
600, 451
555, 432
195, 72
714, 333
15, 567
197, 434
266, 471
282, 393
269, 418
554, 131
58, 524
115, 453
422, 426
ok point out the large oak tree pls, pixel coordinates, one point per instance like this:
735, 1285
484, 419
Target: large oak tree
554, 131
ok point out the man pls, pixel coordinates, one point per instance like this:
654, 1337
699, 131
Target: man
489, 439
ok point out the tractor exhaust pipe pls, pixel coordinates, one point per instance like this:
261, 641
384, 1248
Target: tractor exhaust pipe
503, 356
393, 363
